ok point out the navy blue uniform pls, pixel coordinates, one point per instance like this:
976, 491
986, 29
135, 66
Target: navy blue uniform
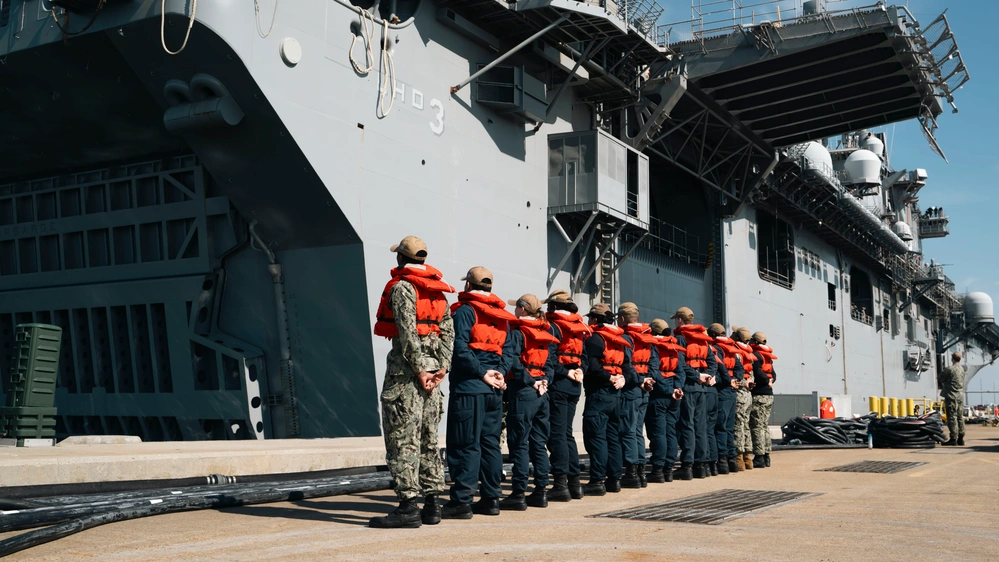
563, 398
601, 413
527, 422
692, 427
475, 414
725, 423
634, 404
663, 414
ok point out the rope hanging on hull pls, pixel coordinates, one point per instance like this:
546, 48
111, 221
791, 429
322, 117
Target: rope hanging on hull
190, 24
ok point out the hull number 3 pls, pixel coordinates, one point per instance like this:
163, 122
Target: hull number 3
409, 94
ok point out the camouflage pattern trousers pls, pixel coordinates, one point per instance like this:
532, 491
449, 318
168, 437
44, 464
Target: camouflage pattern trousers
758, 418
955, 415
743, 405
410, 418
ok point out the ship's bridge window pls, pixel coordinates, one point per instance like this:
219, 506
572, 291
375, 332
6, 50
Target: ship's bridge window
832, 295
775, 250
861, 297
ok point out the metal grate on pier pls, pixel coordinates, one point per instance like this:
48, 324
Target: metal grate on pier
710, 509
874, 467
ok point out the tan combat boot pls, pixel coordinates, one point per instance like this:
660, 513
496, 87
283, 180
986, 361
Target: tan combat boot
747, 460
739, 462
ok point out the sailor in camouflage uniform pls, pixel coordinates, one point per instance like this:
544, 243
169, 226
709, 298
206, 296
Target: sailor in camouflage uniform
764, 378
744, 402
414, 314
952, 390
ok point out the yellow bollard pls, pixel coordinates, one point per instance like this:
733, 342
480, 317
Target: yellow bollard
894, 407
910, 407
885, 411
874, 404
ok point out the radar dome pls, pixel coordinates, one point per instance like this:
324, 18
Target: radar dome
863, 167
978, 308
903, 230
817, 157
874, 144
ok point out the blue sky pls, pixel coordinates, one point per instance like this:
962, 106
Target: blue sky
965, 187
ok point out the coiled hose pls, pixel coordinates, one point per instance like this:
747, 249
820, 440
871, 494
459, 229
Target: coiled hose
908, 433
68, 515
823, 431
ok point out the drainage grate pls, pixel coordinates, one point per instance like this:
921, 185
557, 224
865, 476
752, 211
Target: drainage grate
875, 467
710, 509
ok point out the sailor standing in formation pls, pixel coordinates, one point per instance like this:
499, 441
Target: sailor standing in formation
703, 398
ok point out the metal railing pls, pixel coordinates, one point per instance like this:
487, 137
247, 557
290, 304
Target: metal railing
861, 315
714, 18
673, 242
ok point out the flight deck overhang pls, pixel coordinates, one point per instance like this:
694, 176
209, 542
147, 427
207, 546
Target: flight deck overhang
826, 74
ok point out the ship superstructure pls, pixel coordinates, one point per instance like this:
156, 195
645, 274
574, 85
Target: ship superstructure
204, 201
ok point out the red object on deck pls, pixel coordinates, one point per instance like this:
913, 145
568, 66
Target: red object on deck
826, 409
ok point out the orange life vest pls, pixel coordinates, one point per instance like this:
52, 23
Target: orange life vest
697, 345
574, 333
669, 355
641, 356
731, 351
491, 320
537, 338
747, 359
431, 304
614, 345
767, 354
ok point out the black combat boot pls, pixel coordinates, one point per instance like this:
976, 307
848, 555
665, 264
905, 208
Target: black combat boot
641, 475
575, 488
630, 479
712, 469
406, 516
668, 474
733, 465
514, 502
949, 443
486, 506
595, 488
766, 458
657, 476
960, 443
722, 465
759, 461
456, 510
685, 472
538, 498
431, 514
560, 490
699, 470
613, 485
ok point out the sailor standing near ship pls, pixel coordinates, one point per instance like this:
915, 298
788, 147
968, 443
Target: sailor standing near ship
700, 366
563, 394
413, 313
763, 398
729, 371
482, 354
952, 391
534, 346
608, 366
664, 402
635, 395
744, 401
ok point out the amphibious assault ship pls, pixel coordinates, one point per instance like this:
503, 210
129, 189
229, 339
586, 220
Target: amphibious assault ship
203, 196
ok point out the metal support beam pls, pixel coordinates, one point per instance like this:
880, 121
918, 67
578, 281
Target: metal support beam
572, 246
506, 55
592, 49
927, 286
